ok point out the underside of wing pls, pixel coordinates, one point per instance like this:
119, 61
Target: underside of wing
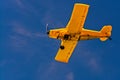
65, 51
78, 17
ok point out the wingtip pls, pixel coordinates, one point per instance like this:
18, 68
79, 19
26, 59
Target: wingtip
60, 60
82, 4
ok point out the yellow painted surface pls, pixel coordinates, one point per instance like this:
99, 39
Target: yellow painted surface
57, 32
78, 17
106, 31
63, 55
75, 32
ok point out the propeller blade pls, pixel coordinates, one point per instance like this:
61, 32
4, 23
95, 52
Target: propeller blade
46, 28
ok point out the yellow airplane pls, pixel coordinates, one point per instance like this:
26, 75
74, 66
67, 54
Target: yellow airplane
75, 32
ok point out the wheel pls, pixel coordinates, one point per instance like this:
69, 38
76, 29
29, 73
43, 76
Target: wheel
62, 47
110, 38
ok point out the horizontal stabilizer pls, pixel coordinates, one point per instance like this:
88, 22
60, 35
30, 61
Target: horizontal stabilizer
103, 39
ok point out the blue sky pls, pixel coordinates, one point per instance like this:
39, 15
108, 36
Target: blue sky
26, 53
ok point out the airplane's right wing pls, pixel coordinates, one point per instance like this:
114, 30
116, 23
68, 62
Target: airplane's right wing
77, 19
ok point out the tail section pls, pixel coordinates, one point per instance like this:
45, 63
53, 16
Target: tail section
106, 31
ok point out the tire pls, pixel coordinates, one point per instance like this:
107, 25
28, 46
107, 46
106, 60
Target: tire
62, 47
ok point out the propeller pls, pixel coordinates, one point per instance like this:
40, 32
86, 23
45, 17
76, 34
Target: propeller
42, 34
47, 29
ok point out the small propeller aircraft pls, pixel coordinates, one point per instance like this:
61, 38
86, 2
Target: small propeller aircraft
75, 32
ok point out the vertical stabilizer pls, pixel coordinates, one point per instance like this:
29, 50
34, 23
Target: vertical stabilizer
106, 30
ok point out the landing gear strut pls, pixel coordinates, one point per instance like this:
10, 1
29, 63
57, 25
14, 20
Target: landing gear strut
66, 36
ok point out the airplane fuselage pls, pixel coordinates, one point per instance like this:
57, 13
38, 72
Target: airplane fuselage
85, 34
74, 32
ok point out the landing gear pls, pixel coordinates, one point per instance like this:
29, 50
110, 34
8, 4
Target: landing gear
110, 38
62, 47
66, 36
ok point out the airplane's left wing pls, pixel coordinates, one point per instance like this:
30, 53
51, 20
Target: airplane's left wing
65, 51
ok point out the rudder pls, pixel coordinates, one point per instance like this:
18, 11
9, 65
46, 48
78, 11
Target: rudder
107, 31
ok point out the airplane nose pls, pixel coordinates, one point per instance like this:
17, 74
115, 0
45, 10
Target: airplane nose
48, 32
